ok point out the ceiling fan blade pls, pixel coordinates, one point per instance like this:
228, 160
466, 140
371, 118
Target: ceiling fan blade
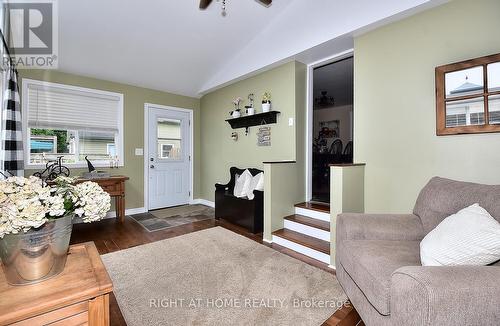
204, 3
266, 3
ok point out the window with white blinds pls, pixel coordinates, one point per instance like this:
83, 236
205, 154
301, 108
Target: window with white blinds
72, 122
58, 107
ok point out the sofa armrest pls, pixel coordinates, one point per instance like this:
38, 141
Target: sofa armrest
446, 295
379, 227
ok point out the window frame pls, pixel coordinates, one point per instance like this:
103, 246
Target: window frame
441, 100
119, 143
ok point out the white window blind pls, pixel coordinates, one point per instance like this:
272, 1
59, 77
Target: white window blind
56, 107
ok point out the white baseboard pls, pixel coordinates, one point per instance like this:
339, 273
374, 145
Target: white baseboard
267, 241
203, 202
128, 211
332, 267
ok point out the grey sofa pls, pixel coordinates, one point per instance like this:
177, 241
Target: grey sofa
378, 263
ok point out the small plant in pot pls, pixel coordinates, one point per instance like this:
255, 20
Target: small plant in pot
236, 113
36, 221
266, 102
249, 109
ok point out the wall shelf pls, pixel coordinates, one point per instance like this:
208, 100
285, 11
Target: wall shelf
258, 119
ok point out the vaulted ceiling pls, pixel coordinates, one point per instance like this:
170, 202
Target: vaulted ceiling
171, 45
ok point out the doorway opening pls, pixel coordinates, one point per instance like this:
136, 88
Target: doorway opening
168, 153
332, 122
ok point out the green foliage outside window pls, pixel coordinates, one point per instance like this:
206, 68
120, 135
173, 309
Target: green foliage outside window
62, 137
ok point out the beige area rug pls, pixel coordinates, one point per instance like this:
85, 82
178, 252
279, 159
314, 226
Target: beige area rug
217, 277
169, 217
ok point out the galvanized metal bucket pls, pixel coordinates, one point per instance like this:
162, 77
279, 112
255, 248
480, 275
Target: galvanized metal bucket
38, 254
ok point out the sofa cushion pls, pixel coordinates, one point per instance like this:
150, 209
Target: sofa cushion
242, 184
256, 183
370, 263
469, 237
442, 197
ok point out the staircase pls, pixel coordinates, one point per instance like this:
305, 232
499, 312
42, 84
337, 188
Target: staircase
307, 231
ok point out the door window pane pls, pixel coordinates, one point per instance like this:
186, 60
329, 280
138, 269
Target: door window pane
465, 112
464, 82
169, 128
169, 139
169, 149
494, 109
494, 77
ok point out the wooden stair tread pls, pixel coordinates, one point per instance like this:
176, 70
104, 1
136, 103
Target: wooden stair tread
312, 222
324, 208
304, 240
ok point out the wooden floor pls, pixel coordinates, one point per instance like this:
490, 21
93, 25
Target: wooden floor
110, 235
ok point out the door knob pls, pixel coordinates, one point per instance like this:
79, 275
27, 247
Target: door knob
152, 166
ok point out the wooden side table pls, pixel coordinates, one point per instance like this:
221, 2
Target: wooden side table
115, 187
77, 296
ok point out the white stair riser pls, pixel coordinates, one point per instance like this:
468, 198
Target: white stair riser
307, 230
302, 249
312, 214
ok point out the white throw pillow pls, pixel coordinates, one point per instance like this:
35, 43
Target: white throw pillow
257, 183
242, 184
260, 184
469, 237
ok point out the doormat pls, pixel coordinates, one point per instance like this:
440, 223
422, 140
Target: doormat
174, 216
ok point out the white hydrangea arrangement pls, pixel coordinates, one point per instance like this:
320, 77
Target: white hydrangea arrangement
26, 203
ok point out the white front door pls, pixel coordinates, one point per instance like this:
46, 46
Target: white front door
169, 148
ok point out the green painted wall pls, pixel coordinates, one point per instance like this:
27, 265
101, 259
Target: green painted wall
284, 187
300, 124
219, 152
285, 182
134, 99
394, 105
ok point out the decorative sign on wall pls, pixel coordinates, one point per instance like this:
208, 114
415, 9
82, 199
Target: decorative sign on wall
264, 136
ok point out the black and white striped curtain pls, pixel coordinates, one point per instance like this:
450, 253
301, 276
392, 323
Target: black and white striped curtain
11, 153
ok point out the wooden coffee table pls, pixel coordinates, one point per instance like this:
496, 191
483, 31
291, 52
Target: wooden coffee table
77, 296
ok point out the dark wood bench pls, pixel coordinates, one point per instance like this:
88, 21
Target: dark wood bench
240, 211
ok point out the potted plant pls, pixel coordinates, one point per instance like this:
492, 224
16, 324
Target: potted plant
236, 112
266, 102
249, 109
36, 221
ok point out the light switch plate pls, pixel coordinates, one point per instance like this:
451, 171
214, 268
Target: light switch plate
290, 122
139, 151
